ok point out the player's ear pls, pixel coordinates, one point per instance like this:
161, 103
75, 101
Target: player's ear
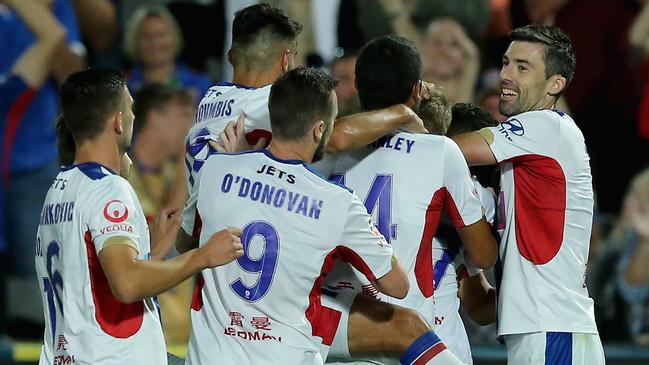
318, 130
414, 94
556, 84
285, 61
118, 123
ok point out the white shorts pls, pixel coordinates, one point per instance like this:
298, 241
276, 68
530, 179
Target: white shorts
554, 348
340, 300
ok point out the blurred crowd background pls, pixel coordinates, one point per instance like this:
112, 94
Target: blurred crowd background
173, 51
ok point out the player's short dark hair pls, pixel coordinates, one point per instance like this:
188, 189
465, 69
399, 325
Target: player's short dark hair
298, 99
64, 142
559, 54
387, 68
435, 112
261, 22
155, 96
88, 97
468, 117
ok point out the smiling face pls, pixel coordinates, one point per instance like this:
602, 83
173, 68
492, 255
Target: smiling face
524, 86
155, 41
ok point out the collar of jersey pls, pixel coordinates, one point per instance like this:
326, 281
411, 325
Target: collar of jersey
292, 162
239, 86
85, 166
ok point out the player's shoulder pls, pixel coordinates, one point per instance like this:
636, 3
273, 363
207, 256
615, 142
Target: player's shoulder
230, 88
539, 116
97, 177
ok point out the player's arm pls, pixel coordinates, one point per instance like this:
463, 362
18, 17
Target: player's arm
481, 249
395, 283
33, 66
368, 252
131, 279
478, 298
475, 147
361, 129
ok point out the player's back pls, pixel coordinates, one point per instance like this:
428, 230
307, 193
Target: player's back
408, 182
265, 307
222, 103
84, 322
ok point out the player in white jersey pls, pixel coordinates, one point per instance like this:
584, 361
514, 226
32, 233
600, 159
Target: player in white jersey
406, 201
544, 312
92, 251
266, 308
264, 44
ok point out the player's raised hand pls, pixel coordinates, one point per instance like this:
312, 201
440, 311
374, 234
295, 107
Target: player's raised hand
223, 247
163, 232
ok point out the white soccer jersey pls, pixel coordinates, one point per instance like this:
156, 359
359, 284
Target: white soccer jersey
547, 203
408, 181
84, 323
223, 103
264, 308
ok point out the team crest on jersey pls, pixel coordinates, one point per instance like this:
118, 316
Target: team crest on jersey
115, 211
511, 127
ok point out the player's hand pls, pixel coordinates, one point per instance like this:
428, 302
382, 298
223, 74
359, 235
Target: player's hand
413, 123
233, 138
163, 232
223, 247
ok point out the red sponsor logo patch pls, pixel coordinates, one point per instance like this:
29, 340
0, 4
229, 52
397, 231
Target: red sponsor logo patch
115, 211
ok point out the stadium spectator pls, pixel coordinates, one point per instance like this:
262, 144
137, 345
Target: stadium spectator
342, 70
32, 60
632, 232
163, 115
450, 59
152, 41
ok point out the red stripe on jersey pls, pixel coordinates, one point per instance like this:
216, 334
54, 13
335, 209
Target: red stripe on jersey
115, 318
540, 204
253, 136
14, 117
441, 201
324, 320
430, 353
197, 298
198, 225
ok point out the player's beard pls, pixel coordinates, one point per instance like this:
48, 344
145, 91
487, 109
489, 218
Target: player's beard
319, 151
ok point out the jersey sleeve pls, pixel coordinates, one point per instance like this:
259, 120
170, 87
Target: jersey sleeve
488, 201
65, 14
463, 206
11, 88
113, 212
532, 133
363, 246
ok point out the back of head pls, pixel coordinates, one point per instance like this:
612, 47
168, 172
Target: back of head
297, 100
64, 142
435, 112
559, 54
89, 98
387, 69
468, 118
259, 33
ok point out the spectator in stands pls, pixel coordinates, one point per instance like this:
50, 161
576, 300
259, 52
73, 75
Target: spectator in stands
163, 115
633, 278
451, 60
34, 57
152, 41
342, 70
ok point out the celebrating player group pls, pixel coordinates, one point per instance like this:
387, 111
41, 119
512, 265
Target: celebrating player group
314, 239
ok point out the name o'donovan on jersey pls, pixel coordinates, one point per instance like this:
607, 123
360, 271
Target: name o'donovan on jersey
271, 195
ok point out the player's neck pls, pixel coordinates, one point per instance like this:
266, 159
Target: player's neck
100, 151
290, 151
254, 78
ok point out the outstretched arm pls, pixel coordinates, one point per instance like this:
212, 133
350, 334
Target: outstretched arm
361, 129
475, 148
